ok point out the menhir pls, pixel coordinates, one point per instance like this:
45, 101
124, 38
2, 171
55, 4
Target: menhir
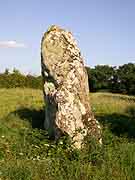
66, 90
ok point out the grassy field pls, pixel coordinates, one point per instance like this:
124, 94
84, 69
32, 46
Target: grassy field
26, 153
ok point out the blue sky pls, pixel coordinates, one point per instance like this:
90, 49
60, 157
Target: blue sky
104, 29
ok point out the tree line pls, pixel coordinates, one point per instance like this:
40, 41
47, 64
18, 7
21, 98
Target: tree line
113, 79
17, 79
101, 78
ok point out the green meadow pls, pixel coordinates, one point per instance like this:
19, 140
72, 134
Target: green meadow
26, 152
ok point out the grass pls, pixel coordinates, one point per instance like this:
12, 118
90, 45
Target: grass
26, 153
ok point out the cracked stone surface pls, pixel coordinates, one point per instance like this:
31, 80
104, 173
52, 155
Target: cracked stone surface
66, 89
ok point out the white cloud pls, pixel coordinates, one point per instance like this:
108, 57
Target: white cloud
11, 44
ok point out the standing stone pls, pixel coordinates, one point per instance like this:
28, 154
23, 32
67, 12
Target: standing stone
66, 89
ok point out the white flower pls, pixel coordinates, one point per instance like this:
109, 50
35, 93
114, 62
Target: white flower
60, 142
46, 145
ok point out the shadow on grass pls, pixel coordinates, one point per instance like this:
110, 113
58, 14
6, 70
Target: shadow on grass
131, 111
120, 125
35, 117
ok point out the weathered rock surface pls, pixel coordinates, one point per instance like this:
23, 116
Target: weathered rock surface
66, 88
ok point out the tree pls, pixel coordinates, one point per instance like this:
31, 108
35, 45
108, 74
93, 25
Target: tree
16, 71
6, 71
126, 78
100, 77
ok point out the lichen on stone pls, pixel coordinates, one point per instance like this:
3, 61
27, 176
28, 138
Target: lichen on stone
66, 88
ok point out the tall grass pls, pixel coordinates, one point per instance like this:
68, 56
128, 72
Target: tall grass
108, 103
26, 153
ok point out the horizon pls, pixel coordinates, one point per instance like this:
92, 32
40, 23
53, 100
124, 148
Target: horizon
105, 31
39, 74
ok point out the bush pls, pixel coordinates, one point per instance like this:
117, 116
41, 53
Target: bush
16, 79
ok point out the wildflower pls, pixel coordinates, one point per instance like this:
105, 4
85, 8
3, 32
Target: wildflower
46, 145
60, 142
38, 157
